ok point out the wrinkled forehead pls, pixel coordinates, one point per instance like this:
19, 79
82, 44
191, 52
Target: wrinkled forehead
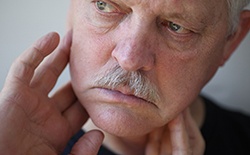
165, 5
203, 11
187, 9
193, 11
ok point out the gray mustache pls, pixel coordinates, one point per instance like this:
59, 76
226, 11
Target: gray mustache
139, 84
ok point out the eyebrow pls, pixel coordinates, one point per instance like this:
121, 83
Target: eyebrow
195, 23
118, 2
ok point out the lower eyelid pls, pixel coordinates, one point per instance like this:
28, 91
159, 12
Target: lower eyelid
186, 31
181, 37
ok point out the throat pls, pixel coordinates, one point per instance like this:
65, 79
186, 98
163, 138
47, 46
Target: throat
197, 110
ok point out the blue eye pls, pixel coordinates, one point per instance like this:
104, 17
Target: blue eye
105, 7
174, 27
101, 5
177, 28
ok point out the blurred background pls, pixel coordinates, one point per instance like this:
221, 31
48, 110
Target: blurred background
23, 22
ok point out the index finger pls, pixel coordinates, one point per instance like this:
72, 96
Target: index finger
49, 70
22, 70
179, 136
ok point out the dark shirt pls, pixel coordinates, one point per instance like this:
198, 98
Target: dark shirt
225, 132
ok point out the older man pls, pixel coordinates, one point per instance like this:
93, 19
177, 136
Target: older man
137, 69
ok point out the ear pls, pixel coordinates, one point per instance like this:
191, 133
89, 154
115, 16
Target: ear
235, 39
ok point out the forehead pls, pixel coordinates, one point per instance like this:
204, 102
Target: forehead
174, 4
199, 10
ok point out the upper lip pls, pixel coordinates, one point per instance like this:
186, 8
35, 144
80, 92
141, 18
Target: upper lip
124, 90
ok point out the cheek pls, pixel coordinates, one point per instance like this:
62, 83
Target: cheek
88, 54
182, 78
88, 49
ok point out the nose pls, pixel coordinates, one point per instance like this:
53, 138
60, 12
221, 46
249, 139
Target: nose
134, 50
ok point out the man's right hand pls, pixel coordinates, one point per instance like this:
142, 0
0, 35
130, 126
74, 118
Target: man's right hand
31, 121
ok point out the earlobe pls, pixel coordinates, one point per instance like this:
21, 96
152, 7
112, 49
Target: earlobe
235, 39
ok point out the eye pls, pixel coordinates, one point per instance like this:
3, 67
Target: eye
105, 7
175, 27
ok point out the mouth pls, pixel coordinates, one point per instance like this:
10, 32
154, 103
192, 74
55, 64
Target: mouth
123, 95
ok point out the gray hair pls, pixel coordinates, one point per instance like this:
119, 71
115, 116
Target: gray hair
234, 9
137, 83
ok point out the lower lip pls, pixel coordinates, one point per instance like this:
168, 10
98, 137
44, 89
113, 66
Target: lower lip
113, 96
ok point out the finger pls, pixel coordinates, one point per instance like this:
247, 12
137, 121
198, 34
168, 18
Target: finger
196, 140
166, 145
76, 116
154, 142
23, 68
47, 74
89, 144
64, 97
179, 136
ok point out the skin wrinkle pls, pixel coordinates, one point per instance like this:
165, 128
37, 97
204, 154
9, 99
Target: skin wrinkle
182, 11
175, 57
181, 65
129, 59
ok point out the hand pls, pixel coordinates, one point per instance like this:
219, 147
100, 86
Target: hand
31, 121
180, 137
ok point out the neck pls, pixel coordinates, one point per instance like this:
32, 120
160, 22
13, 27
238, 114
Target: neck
136, 145
197, 110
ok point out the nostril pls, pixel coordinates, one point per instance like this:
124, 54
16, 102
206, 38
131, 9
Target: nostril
133, 60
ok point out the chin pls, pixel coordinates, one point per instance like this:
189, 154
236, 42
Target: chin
122, 122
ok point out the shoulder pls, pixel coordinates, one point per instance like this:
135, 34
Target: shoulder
225, 131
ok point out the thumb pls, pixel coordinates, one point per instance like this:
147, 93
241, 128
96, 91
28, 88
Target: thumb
88, 144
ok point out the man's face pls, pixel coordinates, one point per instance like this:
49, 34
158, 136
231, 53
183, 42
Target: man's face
172, 47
